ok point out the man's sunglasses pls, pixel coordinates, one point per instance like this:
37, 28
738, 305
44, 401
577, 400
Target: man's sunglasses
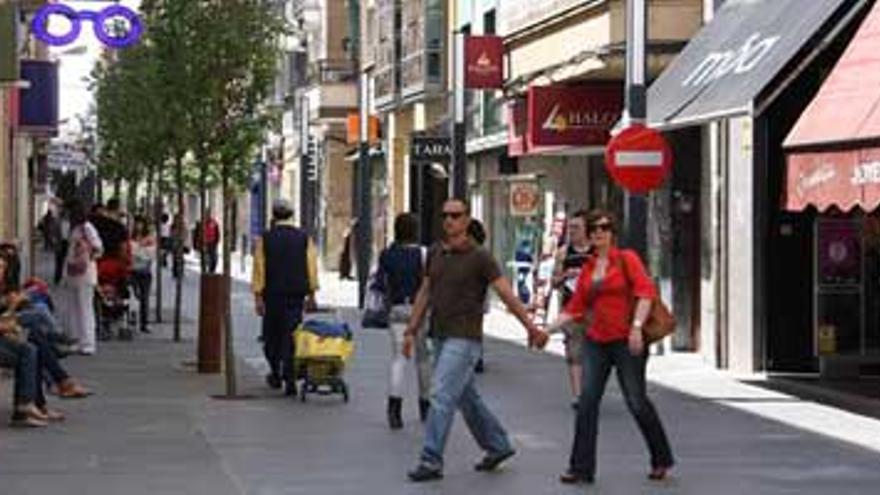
605, 227
455, 215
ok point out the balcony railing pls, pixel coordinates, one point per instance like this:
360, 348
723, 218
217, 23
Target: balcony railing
332, 71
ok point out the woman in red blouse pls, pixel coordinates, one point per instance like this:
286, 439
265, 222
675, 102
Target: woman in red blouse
613, 299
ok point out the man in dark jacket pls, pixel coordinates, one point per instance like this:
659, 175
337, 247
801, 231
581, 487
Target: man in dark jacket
285, 277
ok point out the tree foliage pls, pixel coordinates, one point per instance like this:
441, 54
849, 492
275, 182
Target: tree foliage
193, 90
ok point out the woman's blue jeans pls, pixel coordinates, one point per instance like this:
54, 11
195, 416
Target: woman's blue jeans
598, 359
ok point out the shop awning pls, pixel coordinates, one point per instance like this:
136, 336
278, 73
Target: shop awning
834, 148
732, 60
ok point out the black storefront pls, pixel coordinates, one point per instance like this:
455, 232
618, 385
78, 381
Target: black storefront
430, 157
728, 101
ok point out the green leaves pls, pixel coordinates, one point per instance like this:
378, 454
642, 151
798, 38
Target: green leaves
194, 87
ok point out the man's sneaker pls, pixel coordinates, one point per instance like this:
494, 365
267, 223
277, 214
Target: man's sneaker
424, 473
273, 381
492, 461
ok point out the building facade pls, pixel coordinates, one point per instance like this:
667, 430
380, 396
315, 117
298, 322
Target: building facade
541, 140
26, 77
318, 90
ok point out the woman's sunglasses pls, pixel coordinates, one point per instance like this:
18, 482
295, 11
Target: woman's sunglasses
604, 227
455, 215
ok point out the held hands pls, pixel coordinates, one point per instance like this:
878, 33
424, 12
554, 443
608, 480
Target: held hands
537, 338
260, 306
408, 339
636, 342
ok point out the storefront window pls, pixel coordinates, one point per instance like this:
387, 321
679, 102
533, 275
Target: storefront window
848, 284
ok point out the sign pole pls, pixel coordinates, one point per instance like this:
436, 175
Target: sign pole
364, 211
458, 185
635, 212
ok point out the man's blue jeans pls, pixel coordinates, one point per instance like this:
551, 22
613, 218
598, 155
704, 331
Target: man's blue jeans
452, 388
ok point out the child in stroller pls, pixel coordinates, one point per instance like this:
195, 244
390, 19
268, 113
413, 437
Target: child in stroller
112, 297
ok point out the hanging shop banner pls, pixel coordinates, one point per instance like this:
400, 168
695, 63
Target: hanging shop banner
435, 149
484, 62
573, 115
8, 43
38, 106
525, 199
840, 252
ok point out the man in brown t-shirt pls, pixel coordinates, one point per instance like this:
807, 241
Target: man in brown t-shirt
459, 274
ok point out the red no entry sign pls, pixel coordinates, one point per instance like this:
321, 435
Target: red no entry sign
638, 159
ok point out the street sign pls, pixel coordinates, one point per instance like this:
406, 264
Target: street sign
638, 159
524, 199
435, 149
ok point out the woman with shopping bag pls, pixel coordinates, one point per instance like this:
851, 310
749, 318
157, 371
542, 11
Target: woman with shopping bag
613, 297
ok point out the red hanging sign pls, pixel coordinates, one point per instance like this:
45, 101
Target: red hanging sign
484, 62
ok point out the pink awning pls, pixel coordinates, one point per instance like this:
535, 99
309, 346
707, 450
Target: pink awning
834, 148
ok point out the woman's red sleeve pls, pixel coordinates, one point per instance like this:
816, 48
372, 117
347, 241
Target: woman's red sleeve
642, 284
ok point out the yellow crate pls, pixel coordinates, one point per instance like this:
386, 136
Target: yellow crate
309, 345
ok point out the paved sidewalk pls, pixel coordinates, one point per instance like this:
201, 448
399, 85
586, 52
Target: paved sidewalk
153, 428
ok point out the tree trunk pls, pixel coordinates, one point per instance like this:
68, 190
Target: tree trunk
203, 212
159, 202
131, 197
180, 235
228, 341
151, 179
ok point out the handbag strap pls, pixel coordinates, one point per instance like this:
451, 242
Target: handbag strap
626, 275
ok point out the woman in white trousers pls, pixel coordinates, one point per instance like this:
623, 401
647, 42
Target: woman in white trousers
401, 268
81, 278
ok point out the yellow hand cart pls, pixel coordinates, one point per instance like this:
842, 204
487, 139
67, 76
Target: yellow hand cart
322, 349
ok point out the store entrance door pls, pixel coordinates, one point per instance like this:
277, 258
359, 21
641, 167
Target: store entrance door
429, 189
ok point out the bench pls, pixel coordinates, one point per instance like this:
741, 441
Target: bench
838, 366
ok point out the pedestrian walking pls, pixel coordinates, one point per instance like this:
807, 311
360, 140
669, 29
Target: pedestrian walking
81, 278
209, 242
178, 245
62, 245
613, 294
566, 271
347, 256
400, 273
49, 229
285, 278
454, 288
166, 240
143, 252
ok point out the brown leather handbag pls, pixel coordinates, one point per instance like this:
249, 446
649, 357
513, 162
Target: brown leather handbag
660, 322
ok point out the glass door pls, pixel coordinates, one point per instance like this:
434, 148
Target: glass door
839, 290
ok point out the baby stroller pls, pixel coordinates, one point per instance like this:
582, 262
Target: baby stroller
322, 349
113, 301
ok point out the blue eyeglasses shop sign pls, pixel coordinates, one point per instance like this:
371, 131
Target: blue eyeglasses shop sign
99, 20
38, 103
